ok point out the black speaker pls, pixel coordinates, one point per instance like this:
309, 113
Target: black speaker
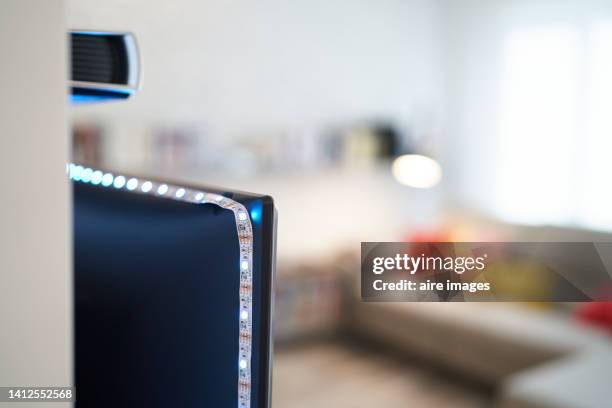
105, 66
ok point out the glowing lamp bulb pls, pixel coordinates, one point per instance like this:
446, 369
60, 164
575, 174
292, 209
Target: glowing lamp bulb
417, 171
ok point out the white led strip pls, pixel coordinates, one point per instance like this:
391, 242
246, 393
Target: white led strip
245, 238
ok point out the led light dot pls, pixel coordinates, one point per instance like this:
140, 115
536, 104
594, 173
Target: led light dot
244, 315
119, 182
244, 265
180, 192
242, 216
86, 175
132, 184
78, 171
199, 196
107, 180
218, 198
243, 364
96, 177
146, 186
163, 189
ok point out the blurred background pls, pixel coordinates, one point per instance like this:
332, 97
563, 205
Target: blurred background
387, 120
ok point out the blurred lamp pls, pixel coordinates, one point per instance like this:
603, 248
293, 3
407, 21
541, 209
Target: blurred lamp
417, 171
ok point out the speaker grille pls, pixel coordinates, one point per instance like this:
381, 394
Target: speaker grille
99, 58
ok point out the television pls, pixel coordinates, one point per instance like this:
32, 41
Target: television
173, 293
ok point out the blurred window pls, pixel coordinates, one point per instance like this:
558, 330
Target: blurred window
554, 151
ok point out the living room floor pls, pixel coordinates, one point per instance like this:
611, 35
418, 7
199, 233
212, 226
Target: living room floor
334, 375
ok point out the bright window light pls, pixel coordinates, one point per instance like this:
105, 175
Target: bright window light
552, 161
536, 126
595, 166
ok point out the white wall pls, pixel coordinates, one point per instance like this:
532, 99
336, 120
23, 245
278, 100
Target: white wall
472, 68
35, 255
248, 67
244, 68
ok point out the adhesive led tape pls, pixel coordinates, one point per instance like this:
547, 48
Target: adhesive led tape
245, 240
